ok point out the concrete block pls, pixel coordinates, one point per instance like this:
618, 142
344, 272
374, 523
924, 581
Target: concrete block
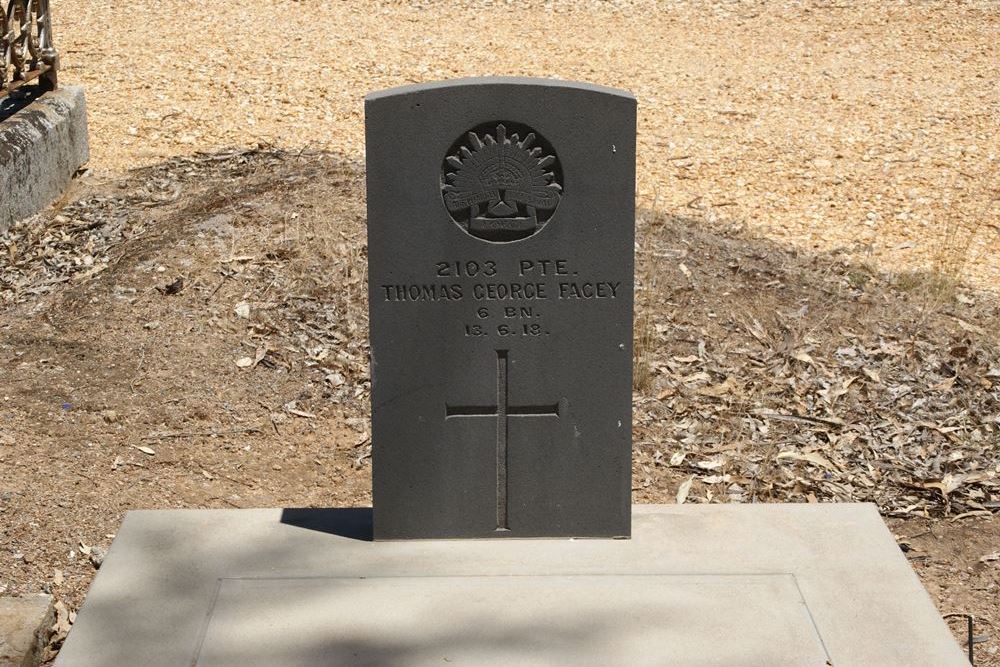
24, 629
699, 586
41, 147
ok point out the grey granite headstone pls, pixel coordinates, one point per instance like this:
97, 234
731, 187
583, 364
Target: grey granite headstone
500, 250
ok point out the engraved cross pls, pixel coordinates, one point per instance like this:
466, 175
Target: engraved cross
502, 411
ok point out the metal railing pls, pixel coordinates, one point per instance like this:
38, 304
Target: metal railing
26, 50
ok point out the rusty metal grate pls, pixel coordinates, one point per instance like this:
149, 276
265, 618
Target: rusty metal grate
26, 50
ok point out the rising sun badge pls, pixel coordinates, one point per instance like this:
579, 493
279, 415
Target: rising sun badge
498, 187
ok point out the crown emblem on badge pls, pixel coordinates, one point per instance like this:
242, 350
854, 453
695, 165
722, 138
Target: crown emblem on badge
501, 188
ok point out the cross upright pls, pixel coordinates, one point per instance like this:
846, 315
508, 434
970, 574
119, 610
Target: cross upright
502, 410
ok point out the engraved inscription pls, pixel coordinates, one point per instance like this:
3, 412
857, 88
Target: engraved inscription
498, 186
506, 307
502, 411
469, 269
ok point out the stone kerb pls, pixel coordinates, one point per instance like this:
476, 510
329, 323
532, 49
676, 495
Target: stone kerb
41, 147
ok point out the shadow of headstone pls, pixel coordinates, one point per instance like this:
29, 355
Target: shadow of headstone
352, 522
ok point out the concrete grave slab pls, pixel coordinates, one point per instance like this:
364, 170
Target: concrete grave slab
695, 586
501, 217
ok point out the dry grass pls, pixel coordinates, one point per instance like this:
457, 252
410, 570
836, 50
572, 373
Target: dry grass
967, 219
642, 372
970, 217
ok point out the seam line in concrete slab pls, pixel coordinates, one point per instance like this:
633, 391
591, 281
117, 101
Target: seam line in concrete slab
208, 619
619, 575
221, 580
812, 619
694, 577
589, 575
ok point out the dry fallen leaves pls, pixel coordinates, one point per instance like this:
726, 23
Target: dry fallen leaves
810, 457
811, 385
684, 490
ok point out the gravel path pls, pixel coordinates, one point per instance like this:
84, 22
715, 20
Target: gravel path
860, 126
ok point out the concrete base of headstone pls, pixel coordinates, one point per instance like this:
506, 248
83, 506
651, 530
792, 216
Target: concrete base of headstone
41, 147
25, 625
766, 585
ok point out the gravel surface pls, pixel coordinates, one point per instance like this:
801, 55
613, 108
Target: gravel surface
869, 127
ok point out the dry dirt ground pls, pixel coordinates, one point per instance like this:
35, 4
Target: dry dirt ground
193, 334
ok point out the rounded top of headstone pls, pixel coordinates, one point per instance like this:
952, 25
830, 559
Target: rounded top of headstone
495, 81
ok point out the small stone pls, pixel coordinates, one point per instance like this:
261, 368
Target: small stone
97, 555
